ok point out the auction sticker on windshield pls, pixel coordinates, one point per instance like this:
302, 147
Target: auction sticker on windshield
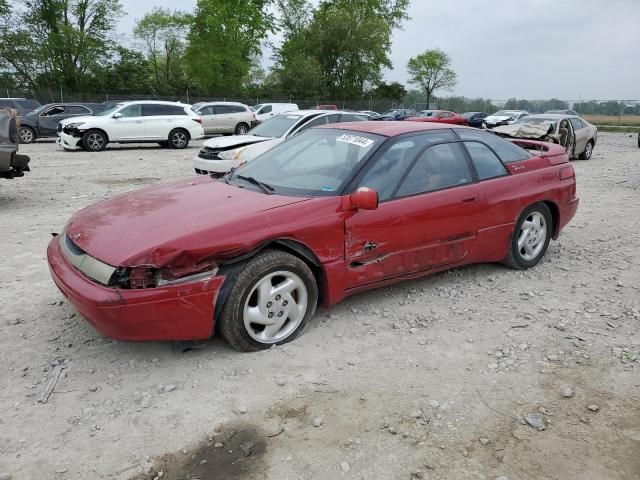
355, 140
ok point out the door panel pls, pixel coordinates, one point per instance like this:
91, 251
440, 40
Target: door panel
130, 126
411, 234
430, 221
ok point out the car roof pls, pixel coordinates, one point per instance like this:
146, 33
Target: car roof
390, 129
307, 113
553, 116
162, 102
237, 104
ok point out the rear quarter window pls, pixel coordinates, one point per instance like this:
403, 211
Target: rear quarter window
507, 151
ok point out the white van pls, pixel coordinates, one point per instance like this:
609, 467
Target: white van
264, 111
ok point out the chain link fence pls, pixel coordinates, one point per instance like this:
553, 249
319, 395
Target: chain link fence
414, 101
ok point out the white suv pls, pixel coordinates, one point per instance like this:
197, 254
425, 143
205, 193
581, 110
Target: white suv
225, 117
221, 154
166, 123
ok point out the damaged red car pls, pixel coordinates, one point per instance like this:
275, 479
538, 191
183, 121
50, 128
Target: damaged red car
329, 213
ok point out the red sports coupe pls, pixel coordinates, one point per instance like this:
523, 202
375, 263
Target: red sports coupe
439, 116
331, 212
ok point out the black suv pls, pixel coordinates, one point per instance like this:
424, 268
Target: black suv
43, 121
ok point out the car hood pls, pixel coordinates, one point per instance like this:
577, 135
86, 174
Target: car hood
252, 151
82, 118
498, 118
234, 141
176, 224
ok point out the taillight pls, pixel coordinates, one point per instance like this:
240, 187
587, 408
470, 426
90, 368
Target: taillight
567, 173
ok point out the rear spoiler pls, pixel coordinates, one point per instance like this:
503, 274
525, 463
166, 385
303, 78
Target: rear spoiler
555, 153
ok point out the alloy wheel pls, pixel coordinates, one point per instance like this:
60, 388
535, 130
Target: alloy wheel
179, 139
532, 237
95, 141
275, 307
26, 135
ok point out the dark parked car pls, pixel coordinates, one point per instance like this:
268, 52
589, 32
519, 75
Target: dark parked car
474, 119
43, 121
11, 163
397, 114
21, 105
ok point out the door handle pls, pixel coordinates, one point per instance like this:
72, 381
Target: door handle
138, 121
470, 199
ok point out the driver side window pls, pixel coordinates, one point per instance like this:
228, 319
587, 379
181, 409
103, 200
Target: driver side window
131, 111
388, 170
266, 109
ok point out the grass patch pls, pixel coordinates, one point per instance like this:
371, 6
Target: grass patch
613, 128
610, 120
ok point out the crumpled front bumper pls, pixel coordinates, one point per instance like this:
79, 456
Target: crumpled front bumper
68, 141
177, 312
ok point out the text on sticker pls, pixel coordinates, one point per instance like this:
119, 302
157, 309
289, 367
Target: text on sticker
355, 140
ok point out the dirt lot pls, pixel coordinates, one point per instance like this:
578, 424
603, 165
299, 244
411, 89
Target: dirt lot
427, 379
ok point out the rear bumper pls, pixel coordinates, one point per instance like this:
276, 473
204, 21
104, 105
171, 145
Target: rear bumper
567, 212
177, 312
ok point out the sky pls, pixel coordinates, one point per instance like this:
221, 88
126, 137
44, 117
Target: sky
533, 49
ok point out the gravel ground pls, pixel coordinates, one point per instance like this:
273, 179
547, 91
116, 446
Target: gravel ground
478, 373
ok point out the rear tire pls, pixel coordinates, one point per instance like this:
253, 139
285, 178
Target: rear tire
178, 138
271, 302
241, 129
530, 238
588, 151
27, 135
94, 141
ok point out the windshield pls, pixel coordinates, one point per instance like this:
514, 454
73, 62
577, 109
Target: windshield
391, 112
255, 108
536, 120
277, 126
108, 110
505, 113
37, 110
314, 163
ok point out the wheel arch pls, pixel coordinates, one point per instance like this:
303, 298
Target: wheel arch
555, 217
232, 267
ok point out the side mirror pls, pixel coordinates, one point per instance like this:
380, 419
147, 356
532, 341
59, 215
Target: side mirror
364, 199
117, 115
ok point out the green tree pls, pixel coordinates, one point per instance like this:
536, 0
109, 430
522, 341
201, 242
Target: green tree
344, 43
431, 71
58, 42
391, 91
223, 39
127, 72
163, 36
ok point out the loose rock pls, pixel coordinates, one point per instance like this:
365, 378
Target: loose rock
345, 467
593, 408
318, 421
567, 392
535, 421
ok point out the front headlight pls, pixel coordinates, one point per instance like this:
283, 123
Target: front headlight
73, 125
231, 154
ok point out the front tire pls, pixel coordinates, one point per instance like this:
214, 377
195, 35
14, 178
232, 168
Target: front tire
271, 302
94, 141
179, 138
588, 151
27, 135
530, 238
